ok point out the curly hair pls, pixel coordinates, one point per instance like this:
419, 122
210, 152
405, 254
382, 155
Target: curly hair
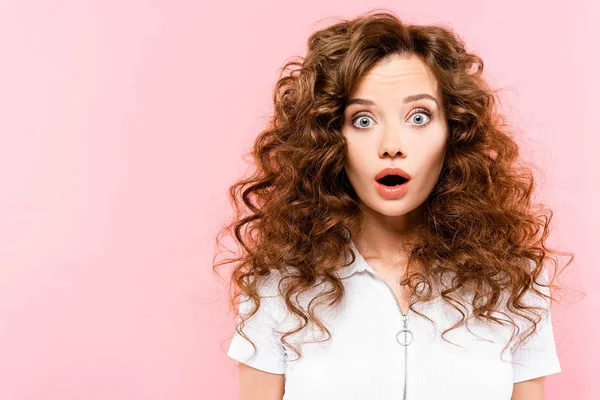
479, 223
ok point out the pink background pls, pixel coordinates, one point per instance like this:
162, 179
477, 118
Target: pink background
123, 124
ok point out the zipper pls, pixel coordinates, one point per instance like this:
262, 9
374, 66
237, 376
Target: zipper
404, 329
404, 316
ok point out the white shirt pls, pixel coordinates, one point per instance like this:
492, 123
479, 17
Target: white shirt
362, 360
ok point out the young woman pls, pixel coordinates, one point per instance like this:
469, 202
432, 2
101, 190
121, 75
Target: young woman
392, 249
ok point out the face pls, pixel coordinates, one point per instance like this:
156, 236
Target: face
385, 127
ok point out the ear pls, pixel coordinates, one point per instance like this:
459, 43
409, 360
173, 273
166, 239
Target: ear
473, 68
493, 154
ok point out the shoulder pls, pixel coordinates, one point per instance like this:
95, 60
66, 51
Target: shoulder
269, 292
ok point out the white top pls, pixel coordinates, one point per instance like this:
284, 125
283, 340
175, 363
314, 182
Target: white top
363, 360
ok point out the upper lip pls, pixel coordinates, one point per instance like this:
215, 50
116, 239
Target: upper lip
391, 171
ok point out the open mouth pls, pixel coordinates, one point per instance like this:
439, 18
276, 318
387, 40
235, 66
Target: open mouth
392, 180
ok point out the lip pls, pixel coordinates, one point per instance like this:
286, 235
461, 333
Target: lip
392, 192
392, 171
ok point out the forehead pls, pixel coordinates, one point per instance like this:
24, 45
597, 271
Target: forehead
398, 75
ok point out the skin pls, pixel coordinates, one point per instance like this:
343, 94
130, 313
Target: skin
393, 133
532, 389
256, 384
399, 134
387, 135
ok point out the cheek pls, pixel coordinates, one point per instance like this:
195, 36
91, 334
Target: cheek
433, 150
437, 158
356, 165
354, 156
431, 160
435, 162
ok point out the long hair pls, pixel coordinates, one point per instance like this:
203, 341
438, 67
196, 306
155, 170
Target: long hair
479, 223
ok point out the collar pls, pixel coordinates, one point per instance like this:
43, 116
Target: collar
358, 265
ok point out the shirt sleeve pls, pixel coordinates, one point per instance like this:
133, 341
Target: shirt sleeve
261, 329
538, 356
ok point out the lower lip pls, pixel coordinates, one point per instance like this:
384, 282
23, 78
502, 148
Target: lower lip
391, 192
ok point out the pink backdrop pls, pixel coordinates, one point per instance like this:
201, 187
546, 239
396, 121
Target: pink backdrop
123, 124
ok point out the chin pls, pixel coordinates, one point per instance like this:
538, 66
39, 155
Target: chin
393, 208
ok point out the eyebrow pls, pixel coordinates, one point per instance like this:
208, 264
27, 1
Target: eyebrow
407, 99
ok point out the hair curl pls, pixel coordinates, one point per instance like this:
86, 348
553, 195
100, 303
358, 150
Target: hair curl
479, 222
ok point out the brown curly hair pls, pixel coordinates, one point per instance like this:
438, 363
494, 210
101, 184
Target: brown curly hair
479, 222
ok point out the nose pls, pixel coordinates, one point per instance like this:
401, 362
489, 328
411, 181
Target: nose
391, 143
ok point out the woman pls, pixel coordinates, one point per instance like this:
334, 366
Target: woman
393, 251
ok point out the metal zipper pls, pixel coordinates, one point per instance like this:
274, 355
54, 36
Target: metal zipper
404, 329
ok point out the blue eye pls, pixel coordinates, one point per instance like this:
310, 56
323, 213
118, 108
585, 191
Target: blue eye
423, 118
362, 117
419, 124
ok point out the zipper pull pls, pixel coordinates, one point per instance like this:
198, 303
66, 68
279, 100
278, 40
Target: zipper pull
405, 320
